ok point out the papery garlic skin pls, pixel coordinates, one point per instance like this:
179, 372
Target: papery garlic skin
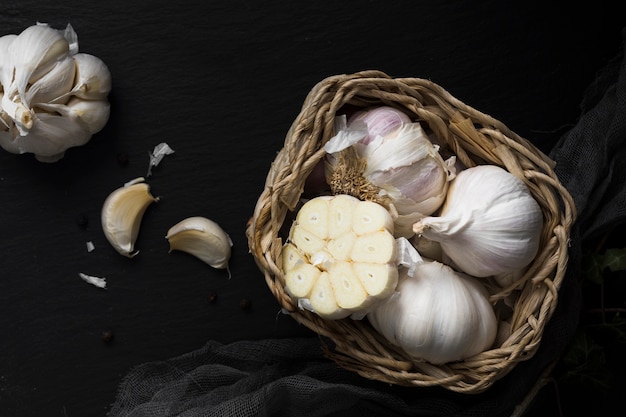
40, 70
437, 315
202, 238
378, 121
122, 213
490, 223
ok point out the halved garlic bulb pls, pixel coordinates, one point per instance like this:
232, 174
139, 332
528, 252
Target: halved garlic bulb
122, 213
202, 238
340, 258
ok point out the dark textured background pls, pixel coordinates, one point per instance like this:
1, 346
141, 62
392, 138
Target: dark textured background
221, 81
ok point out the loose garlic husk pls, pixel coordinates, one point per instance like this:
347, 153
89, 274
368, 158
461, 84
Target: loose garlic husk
122, 213
202, 238
399, 168
42, 72
437, 315
489, 225
340, 258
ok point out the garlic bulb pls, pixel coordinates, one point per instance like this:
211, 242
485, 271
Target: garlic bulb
490, 223
400, 167
341, 256
52, 97
437, 315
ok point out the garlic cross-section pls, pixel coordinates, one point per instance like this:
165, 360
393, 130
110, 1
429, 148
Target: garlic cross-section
340, 258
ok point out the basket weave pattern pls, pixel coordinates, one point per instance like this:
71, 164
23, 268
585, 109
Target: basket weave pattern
475, 138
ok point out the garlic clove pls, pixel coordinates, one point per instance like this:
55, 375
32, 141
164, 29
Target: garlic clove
34, 52
94, 114
202, 238
313, 217
53, 84
306, 241
292, 257
340, 211
378, 247
300, 279
379, 280
93, 79
347, 289
340, 248
122, 213
322, 299
370, 217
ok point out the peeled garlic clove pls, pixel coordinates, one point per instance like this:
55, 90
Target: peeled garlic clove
203, 238
122, 213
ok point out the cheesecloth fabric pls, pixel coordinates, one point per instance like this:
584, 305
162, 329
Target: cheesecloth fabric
291, 377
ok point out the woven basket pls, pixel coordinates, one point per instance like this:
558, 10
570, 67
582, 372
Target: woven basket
475, 138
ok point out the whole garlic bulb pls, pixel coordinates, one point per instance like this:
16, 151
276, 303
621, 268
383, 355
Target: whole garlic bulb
397, 160
51, 96
490, 223
437, 315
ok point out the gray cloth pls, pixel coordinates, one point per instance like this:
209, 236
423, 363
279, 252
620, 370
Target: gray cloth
291, 377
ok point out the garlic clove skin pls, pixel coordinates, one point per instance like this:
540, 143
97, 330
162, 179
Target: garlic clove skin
437, 315
202, 238
122, 213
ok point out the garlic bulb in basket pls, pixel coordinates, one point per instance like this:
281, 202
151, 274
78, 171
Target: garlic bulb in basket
399, 168
490, 223
51, 96
437, 315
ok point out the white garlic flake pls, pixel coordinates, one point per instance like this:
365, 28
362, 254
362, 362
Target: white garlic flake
52, 97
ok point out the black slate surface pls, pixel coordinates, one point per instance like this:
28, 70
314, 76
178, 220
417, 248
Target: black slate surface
220, 82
